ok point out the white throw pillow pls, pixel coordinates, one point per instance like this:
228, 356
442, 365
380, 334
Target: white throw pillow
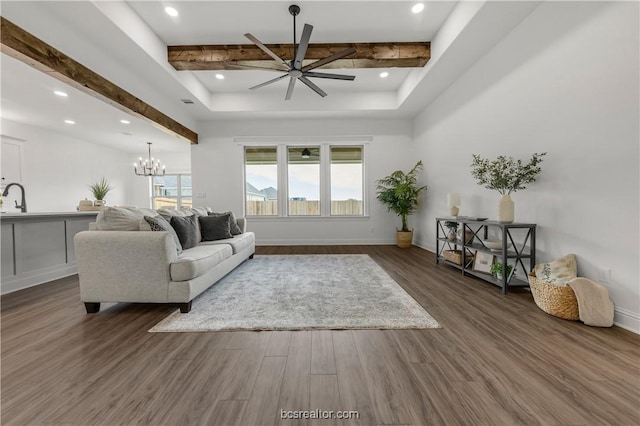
559, 271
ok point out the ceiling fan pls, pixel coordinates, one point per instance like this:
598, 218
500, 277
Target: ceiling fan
294, 69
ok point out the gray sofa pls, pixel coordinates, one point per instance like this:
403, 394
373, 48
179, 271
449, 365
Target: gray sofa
120, 260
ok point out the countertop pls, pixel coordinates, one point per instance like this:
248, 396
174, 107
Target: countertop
18, 216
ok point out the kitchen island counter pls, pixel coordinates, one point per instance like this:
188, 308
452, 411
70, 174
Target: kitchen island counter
37, 247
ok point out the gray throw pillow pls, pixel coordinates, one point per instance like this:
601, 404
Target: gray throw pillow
158, 223
215, 227
187, 230
233, 225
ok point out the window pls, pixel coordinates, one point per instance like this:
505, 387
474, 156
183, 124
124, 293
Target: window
303, 172
321, 180
346, 181
261, 181
171, 191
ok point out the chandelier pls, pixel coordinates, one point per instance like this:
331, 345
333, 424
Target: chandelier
149, 167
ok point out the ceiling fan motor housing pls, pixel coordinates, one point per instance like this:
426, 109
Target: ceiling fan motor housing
294, 9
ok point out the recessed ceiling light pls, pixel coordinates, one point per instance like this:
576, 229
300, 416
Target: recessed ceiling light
220, 76
125, 121
384, 74
59, 93
171, 11
69, 121
417, 8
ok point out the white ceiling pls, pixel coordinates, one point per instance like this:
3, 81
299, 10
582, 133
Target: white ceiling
125, 42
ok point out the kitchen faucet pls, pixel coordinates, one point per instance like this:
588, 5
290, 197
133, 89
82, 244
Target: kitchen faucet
23, 206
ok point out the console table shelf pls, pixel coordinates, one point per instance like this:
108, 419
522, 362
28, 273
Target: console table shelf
517, 249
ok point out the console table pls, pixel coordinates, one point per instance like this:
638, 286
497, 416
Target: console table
518, 247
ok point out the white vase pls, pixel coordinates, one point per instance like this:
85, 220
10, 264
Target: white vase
506, 209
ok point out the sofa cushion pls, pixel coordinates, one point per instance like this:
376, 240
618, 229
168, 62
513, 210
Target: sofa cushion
198, 260
168, 213
158, 223
237, 243
233, 223
187, 230
215, 227
200, 211
118, 219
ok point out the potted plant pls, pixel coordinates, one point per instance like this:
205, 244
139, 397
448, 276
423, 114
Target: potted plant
505, 175
496, 270
100, 189
401, 194
453, 228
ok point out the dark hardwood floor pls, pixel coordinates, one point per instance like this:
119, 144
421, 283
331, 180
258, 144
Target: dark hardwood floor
498, 360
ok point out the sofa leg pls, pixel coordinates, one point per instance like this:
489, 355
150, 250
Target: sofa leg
251, 257
92, 307
185, 307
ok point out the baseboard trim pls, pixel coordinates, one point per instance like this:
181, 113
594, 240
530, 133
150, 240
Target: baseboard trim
319, 242
32, 279
626, 319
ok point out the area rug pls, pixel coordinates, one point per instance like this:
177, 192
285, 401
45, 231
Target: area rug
302, 292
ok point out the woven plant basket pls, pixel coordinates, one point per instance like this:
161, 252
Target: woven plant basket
559, 301
455, 256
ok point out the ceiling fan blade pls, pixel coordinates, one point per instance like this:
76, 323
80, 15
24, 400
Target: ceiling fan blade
265, 49
313, 87
302, 47
331, 58
254, 67
292, 83
269, 82
328, 75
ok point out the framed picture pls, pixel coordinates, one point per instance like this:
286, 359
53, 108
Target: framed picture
482, 262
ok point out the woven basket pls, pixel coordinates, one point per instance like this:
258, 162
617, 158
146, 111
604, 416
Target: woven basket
559, 301
455, 256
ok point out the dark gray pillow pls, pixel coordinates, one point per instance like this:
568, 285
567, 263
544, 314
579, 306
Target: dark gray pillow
215, 227
187, 229
233, 224
158, 223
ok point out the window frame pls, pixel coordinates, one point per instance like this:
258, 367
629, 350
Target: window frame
282, 146
179, 196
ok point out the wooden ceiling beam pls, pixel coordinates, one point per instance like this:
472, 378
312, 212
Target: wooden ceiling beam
368, 55
20, 44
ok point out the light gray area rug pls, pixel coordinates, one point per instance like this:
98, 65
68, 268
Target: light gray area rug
302, 292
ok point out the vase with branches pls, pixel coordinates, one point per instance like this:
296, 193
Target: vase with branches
506, 175
400, 192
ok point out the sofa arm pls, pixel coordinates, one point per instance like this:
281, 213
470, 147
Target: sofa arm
124, 266
242, 224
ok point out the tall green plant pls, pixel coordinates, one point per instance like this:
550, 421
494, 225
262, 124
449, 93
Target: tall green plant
400, 192
100, 189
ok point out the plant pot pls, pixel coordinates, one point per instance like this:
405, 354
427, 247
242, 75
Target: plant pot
99, 203
404, 238
506, 208
452, 236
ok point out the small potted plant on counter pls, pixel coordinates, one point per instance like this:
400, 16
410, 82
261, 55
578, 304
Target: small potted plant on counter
496, 270
100, 189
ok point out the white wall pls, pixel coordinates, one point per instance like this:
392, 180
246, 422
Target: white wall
217, 168
566, 82
57, 170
